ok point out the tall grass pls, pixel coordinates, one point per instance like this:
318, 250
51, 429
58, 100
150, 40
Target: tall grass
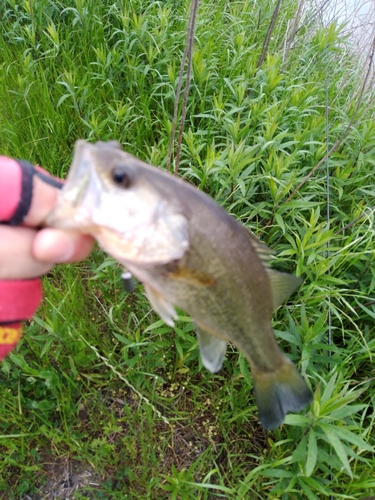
98, 380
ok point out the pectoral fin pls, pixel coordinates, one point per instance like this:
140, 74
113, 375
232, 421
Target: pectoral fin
212, 350
162, 306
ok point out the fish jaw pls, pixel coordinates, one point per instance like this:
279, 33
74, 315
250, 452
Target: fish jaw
76, 202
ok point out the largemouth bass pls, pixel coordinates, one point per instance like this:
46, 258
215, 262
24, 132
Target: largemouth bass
188, 252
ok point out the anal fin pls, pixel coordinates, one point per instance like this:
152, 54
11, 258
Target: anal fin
212, 349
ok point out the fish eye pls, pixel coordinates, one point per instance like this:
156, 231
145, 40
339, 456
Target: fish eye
121, 177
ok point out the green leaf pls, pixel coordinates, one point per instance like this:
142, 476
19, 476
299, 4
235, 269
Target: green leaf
277, 473
327, 393
316, 485
157, 324
245, 370
299, 420
346, 411
312, 453
338, 448
347, 435
306, 489
280, 222
299, 454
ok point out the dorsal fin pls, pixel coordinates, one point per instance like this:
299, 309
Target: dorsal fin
282, 284
264, 253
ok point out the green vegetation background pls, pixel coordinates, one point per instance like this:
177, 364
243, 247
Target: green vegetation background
98, 380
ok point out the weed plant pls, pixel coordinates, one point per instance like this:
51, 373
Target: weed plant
98, 378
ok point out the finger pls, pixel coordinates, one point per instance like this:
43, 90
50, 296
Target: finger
43, 200
16, 258
54, 245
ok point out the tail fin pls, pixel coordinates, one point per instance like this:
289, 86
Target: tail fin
280, 392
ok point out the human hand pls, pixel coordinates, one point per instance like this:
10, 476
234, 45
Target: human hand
27, 252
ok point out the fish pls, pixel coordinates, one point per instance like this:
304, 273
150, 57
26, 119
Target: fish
189, 253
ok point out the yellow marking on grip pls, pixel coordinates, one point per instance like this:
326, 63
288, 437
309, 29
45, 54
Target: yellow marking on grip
9, 335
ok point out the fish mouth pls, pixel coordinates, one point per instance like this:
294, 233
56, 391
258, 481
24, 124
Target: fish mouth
70, 218
80, 195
